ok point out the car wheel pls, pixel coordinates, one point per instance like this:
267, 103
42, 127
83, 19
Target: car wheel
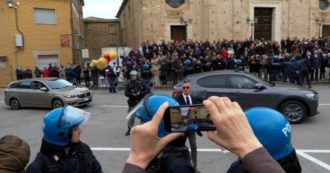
57, 103
294, 110
14, 104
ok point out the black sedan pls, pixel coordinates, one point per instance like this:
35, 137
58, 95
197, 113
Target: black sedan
294, 101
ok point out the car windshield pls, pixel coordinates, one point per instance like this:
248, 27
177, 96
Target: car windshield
58, 83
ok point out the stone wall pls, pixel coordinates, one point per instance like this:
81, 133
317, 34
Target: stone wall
143, 20
100, 33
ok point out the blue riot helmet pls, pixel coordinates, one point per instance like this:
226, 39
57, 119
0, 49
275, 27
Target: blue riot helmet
146, 66
187, 62
238, 61
148, 107
276, 58
133, 73
272, 130
59, 122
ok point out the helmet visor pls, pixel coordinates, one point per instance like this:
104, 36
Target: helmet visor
135, 110
78, 116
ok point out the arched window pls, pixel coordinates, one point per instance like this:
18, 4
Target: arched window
175, 3
324, 4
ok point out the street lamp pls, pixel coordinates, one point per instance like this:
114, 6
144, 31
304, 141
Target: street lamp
12, 4
252, 24
320, 21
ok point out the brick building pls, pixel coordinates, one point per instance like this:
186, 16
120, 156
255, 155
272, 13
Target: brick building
142, 20
39, 32
100, 33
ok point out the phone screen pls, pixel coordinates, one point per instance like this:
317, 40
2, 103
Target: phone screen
188, 119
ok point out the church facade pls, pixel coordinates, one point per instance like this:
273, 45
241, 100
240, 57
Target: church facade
153, 20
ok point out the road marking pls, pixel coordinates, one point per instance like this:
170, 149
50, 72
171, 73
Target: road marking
123, 106
315, 151
128, 149
110, 149
324, 104
302, 153
314, 160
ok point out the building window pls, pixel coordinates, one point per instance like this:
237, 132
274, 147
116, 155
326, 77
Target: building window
44, 16
175, 3
324, 4
112, 29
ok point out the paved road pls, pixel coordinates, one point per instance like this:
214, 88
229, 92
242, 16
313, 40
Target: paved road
106, 128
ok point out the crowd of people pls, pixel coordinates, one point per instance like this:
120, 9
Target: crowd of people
162, 63
290, 60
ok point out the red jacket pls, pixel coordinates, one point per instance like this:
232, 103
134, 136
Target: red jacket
224, 53
45, 73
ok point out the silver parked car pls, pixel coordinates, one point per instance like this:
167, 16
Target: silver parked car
45, 93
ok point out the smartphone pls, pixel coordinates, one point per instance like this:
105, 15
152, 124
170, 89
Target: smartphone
188, 118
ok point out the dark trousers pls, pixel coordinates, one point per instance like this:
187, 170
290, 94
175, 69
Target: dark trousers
95, 81
314, 74
305, 76
295, 79
87, 81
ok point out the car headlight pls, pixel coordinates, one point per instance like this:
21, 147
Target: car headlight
69, 96
312, 96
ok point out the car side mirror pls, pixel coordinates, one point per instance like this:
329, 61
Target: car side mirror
259, 86
43, 89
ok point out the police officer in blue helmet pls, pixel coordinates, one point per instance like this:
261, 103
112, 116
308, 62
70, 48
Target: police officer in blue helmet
170, 160
61, 149
274, 132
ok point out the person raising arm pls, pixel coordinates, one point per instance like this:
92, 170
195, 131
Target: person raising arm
233, 133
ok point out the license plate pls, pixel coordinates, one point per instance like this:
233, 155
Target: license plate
86, 99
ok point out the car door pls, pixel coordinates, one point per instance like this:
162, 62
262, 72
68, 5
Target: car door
243, 91
213, 85
39, 98
24, 93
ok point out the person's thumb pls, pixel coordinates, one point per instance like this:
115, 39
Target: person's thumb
168, 138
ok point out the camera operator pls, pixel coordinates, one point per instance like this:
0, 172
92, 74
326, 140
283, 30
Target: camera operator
135, 91
233, 133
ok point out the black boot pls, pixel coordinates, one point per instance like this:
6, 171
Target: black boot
114, 90
110, 90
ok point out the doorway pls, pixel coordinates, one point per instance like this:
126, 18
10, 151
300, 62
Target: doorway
45, 60
325, 31
178, 32
263, 25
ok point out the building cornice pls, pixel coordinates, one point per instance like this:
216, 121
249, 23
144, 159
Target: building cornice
99, 20
122, 6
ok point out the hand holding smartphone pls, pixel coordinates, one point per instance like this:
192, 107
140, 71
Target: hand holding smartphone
188, 118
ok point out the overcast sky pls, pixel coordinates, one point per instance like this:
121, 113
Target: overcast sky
102, 8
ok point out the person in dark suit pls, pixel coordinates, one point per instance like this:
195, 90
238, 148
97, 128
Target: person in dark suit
186, 99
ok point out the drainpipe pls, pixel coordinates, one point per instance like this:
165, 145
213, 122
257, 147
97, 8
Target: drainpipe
17, 27
17, 49
72, 34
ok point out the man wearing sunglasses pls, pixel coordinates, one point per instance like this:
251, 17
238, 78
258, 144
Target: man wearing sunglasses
186, 99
